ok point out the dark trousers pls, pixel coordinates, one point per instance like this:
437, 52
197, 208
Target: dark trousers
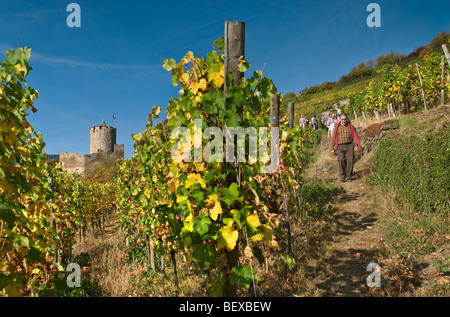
345, 159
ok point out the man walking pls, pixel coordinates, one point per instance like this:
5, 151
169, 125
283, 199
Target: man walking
343, 138
314, 123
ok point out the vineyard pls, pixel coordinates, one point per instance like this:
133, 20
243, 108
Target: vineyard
397, 86
41, 207
206, 213
223, 219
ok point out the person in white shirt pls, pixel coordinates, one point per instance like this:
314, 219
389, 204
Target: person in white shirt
331, 128
338, 111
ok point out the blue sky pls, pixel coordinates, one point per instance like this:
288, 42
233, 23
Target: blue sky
112, 64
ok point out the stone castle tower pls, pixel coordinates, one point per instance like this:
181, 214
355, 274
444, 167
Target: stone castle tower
103, 138
103, 149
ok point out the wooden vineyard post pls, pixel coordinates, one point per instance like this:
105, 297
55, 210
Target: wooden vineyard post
421, 85
291, 115
152, 255
234, 41
84, 230
442, 80
234, 49
275, 111
175, 275
375, 112
392, 110
150, 252
447, 54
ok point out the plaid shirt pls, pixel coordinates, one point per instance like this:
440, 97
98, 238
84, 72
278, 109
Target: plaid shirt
344, 134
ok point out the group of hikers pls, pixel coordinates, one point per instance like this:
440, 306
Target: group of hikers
326, 121
343, 139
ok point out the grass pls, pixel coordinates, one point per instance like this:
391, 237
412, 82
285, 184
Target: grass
412, 179
410, 247
415, 168
406, 123
317, 198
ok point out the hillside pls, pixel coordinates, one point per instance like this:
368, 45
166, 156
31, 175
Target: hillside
316, 99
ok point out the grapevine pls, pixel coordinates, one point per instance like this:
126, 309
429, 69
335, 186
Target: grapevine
25, 235
33, 195
397, 85
201, 209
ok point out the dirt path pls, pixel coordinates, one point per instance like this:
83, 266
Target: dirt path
356, 233
106, 249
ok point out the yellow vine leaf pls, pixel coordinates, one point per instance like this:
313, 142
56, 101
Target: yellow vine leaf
217, 77
274, 244
253, 220
20, 68
215, 209
196, 85
265, 233
257, 237
185, 79
228, 238
194, 179
181, 198
25, 152
156, 110
198, 98
36, 271
183, 166
189, 223
200, 167
188, 57
173, 183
